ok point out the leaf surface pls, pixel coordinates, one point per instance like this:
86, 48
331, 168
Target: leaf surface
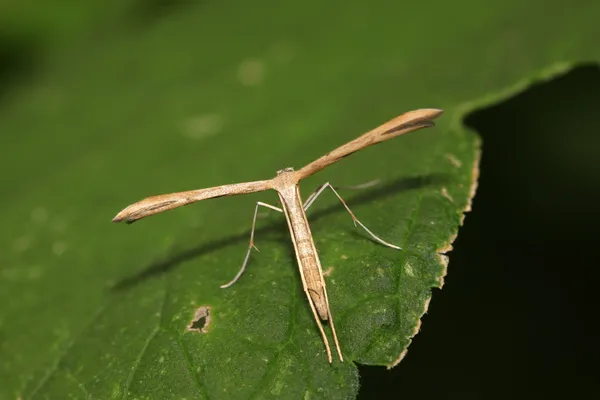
141, 101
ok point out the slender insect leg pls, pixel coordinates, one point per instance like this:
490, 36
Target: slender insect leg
320, 325
317, 318
335, 339
361, 186
251, 244
309, 200
314, 196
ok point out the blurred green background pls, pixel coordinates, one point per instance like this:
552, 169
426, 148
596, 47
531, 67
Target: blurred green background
87, 88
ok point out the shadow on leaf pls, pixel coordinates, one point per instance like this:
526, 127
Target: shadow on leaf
159, 268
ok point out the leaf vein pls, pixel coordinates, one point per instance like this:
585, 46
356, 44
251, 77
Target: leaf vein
151, 337
56, 365
268, 376
191, 366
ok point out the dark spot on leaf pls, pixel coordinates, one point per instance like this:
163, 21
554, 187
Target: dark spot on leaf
201, 320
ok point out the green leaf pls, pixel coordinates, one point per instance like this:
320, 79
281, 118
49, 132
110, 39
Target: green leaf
138, 102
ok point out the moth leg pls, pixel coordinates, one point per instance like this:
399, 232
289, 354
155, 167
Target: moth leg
310, 199
335, 339
320, 325
251, 244
320, 190
361, 186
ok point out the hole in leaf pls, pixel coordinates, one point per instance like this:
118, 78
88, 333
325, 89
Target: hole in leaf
201, 320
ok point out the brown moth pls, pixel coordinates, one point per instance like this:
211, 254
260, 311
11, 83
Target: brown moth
292, 206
